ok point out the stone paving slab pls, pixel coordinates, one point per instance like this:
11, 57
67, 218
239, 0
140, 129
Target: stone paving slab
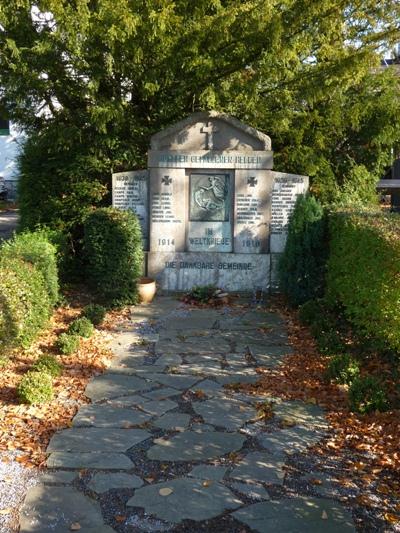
112, 385
173, 421
158, 407
297, 515
109, 416
189, 499
290, 440
302, 414
192, 446
227, 413
102, 461
175, 381
96, 440
58, 478
251, 490
213, 472
161, 394
260, 467
54, 509
104, 482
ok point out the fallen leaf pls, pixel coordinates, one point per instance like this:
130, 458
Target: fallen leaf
391, 518
8, 510
149, 479
316, 481
75, 526
120, 517
324, 515
166, 491
207, 483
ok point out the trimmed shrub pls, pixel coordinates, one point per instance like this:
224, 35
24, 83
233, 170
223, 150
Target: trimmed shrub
49, 364
24, 303
366, 394
343, 369
364, 275
36, 249
81, 327
303, 263
35, 387
95, 313
67, 344
114, 255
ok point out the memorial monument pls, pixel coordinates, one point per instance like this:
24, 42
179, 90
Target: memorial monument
211, 208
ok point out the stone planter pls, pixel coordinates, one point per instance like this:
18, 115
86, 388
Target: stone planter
146, 290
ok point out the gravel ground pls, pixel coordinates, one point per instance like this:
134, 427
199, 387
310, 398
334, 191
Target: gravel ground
15, 480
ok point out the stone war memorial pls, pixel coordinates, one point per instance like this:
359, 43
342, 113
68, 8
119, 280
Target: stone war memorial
211, 207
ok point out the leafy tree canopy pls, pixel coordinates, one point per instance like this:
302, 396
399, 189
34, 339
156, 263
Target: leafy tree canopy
93, 79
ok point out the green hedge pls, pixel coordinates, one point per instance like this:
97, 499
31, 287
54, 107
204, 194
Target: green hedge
24, 303
35, 248
114, 254
302, 266
364, 274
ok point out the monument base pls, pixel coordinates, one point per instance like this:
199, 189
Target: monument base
181, 271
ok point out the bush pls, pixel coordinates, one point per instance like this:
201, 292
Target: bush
36, 249
302, 265
325, 325
366, 394
343, 369
363, 274
67, 344
114, 255
81, 327
95, 313
35, 387
49, 364
24, 303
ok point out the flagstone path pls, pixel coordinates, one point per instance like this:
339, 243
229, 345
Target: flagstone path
164, 446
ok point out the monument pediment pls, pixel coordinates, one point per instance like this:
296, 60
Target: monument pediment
211, 130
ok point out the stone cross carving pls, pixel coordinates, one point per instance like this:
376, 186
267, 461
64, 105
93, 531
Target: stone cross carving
252, 181
209, 129
166, 180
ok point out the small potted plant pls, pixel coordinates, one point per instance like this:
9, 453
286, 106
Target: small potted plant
146, 289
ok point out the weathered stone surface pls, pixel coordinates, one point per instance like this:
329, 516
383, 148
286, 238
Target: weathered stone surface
189, 499
158, 407
214, 472
112, 385
260, 467
193, 344
173, 380
227, 413
138, 371
103, 461
201, 428
191, 446
322, 483
169, 360
297, 515
262, 352
54, 509
126, 401
58, 478
103, 482
209, 387
203, 368
238, 377
109, 416
251, 490
96, 440
173, 421
290, 440
161, 394
302, 414
252, 270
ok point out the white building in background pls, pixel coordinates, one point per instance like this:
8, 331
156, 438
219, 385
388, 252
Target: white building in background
9, 137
